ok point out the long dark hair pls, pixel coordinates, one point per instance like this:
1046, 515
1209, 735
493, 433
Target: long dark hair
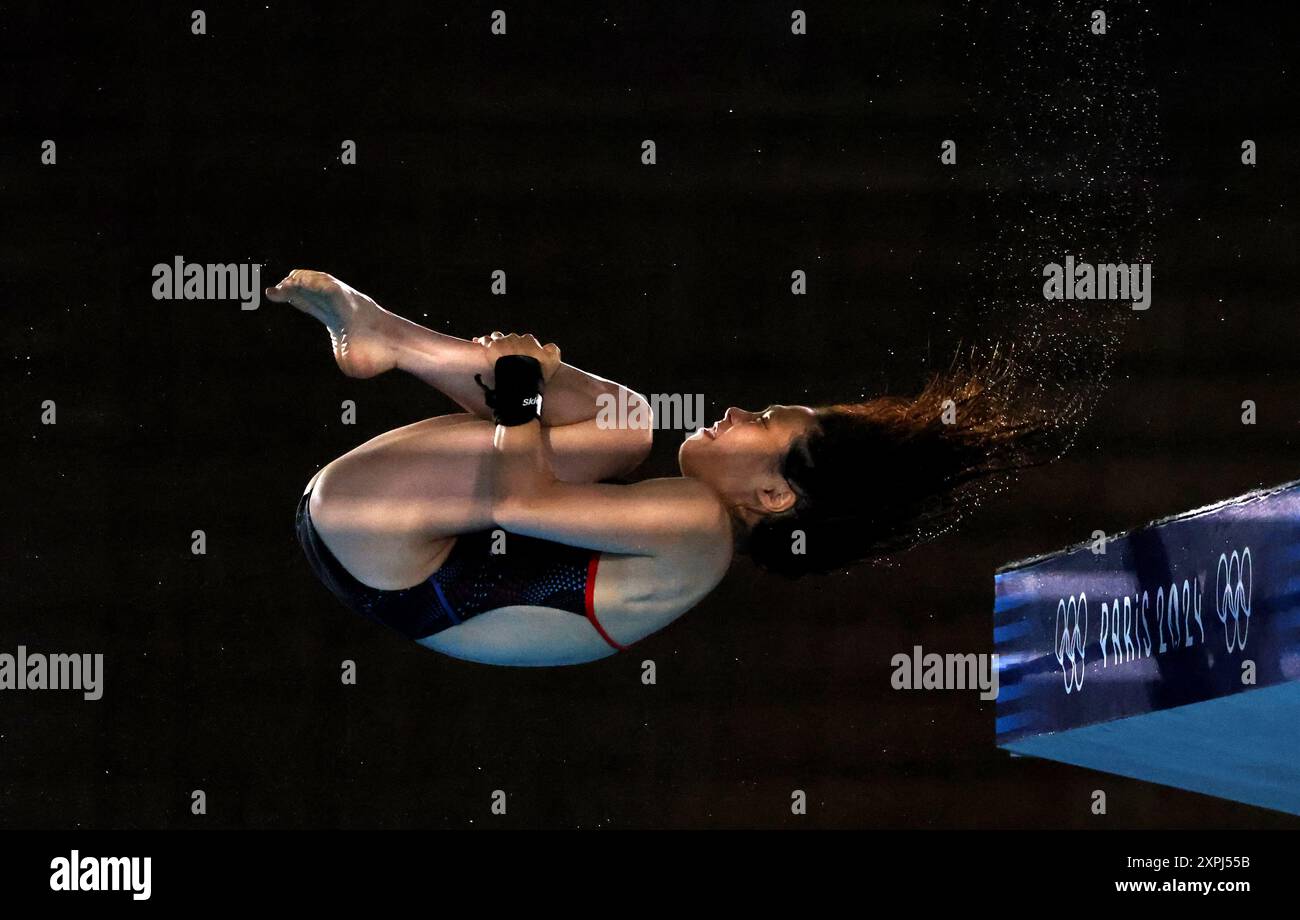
880, 476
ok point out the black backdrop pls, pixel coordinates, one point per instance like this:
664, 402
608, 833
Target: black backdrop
522, 152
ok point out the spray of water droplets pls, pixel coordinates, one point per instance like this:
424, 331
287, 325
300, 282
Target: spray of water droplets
1067, 156
1062, 133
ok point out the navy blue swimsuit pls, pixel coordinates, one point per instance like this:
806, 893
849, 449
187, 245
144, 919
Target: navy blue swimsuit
472, 580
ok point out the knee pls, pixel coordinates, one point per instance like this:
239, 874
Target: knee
311, 483
347, 496
325, 505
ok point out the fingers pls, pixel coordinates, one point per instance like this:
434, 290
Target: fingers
501, 344
513, 338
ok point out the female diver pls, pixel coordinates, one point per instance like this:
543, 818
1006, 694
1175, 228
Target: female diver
504, 544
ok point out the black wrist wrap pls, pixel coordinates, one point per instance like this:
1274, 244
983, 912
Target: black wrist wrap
517, 398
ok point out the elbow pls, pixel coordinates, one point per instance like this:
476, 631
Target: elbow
508, 511
520, 508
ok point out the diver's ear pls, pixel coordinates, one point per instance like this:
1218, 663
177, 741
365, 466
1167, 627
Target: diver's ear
776, 497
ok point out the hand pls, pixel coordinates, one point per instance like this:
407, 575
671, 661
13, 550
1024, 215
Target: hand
499, 345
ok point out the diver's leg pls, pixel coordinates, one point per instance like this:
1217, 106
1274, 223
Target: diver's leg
390, 509
369, 340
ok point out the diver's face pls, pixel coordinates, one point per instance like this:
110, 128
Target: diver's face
740, 455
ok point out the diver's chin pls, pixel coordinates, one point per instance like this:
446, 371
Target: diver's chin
686, 456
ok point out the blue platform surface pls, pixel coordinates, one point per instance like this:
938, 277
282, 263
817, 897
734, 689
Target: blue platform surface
1173, 657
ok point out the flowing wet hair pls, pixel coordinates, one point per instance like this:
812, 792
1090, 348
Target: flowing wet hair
880, 476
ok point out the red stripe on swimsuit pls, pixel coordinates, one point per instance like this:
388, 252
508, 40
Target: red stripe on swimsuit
591, 601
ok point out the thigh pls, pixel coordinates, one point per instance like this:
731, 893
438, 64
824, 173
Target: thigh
390, 509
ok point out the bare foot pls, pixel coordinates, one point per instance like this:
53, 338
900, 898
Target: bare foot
356, 323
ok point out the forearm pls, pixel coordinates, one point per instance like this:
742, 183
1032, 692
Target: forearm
521, 471
657, 517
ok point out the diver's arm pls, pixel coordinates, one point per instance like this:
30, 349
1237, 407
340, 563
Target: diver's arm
450, 365
597, 429
658, 517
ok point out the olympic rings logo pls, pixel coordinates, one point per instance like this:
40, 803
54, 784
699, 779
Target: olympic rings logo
1071, 634
1233, 583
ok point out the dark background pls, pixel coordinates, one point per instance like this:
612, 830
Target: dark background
521, 152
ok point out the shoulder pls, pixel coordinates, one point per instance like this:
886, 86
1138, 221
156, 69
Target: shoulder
697, 504
691, 560
701, 522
